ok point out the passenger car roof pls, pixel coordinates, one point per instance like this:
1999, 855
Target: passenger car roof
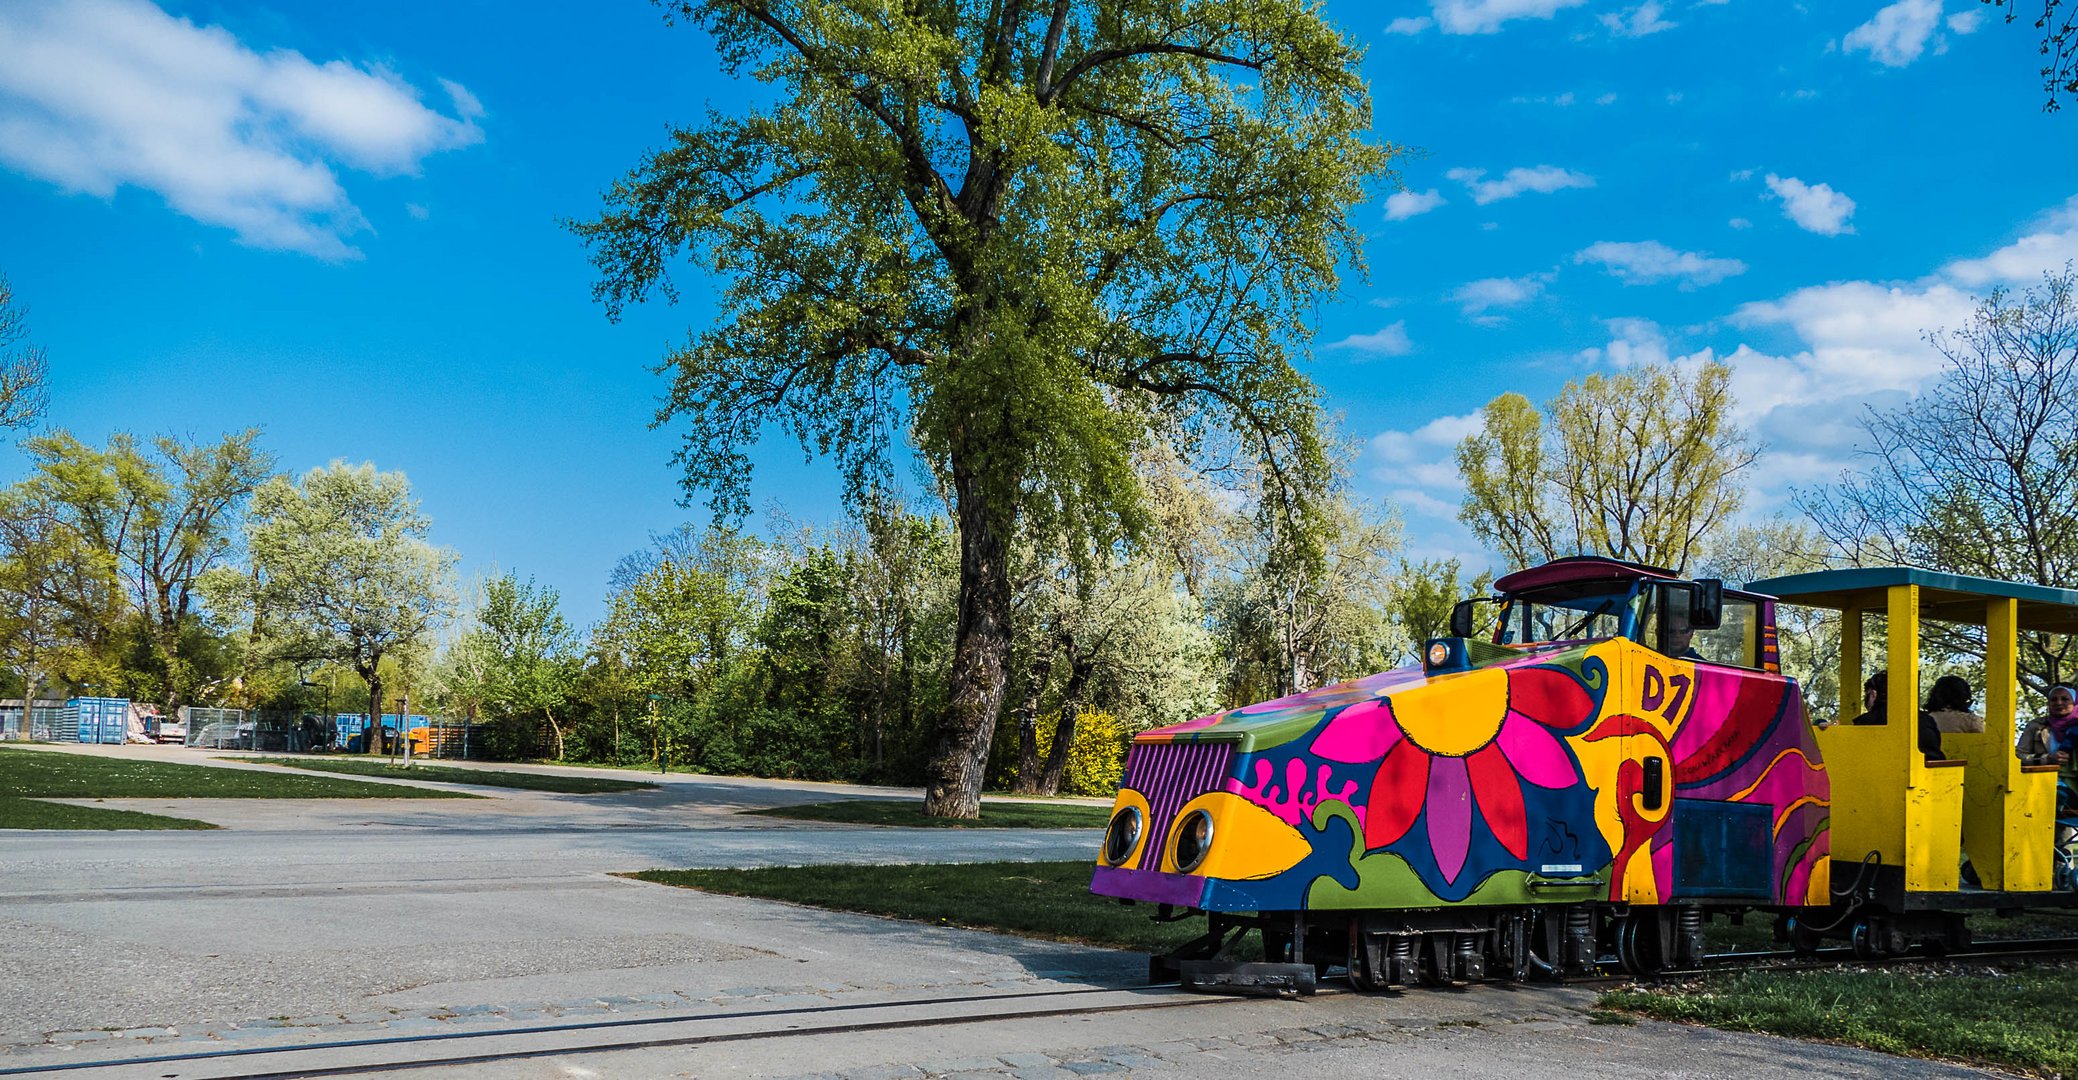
1951, 598
1580, 568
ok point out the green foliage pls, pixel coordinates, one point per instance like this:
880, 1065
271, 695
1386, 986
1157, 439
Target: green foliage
340, 571
1638, 465
1035, 240
1096, 760
519, 659
104, 551
2008, 1016
1423, 594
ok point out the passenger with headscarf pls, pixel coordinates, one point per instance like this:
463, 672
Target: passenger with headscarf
1949, 701
2050, 739
1876, 696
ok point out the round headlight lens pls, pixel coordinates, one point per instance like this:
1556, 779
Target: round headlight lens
1439, 654
1122, 836
1193, 840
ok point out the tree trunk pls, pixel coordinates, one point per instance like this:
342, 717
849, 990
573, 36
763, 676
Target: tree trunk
981, 644
372, 742
557, 728
1064, 732
1028, 724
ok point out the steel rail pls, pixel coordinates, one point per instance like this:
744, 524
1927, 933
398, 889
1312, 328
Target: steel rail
399, 1041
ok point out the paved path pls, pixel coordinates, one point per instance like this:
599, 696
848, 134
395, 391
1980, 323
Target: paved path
329, 920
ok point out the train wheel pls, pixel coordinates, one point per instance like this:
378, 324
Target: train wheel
1637, 944
1868, 940
1803, 940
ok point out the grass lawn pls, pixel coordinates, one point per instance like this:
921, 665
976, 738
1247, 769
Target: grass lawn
994, 815
2017, 1016
54, 774
447, 774
1044, 899
31, 814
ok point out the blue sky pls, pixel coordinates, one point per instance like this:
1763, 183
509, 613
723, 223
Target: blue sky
341, 223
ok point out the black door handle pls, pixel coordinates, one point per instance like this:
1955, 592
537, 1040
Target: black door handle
1655, 780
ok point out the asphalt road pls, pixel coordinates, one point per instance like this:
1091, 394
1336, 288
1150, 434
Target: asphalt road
341, 921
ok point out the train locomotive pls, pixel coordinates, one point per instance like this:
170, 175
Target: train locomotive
1618, 760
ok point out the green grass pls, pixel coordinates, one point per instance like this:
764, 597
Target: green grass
31, 814
2018, 1016
447, 774
1043, 899
56, 774
994, 815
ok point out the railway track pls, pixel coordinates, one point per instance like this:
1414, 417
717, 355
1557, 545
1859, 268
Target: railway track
404, 1052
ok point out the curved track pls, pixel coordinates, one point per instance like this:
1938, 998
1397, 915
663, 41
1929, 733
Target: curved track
352, 1056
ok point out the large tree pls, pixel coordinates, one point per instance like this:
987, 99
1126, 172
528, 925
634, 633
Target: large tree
24, 369
1034, 235
341, 571
1640, 464
147, 518
1979, 475
520, 657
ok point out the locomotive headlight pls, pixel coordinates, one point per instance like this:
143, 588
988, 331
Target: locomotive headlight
1439, 654
1122, 837
1193, 840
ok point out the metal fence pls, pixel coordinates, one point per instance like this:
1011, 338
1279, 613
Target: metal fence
44, 720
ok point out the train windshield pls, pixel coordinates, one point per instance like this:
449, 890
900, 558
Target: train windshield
1574, 611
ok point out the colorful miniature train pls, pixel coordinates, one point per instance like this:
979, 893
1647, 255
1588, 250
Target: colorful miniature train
1618, 760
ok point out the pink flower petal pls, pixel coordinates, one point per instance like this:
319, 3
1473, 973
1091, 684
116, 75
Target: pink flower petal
1450, 814
1359, 734
1535, 752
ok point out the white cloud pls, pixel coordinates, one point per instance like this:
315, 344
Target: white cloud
417, 211
1564, 100
1544, 179
1606, 99
1814, 207
1648, 261
2024, 261
1476, 297
1632, 342
1488, 16
1401, 205
1965, 23
1740, 223
1638, 21
1409, 25
99, 94
1388, 341
1898, 34
1421, 444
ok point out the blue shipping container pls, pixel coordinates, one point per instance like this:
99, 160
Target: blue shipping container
98, 720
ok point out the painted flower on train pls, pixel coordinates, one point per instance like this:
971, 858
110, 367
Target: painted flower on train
1457, 748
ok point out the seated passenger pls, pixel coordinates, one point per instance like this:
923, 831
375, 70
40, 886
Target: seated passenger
1876, 696
1680, 635
2049, 739
1949, 701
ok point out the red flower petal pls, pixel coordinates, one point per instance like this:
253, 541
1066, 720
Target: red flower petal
1548, 696
1499, 795
1396, 794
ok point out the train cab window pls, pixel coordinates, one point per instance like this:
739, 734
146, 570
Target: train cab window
1736, 641
1576, 611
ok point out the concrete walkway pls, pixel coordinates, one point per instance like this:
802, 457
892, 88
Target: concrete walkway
325, 920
